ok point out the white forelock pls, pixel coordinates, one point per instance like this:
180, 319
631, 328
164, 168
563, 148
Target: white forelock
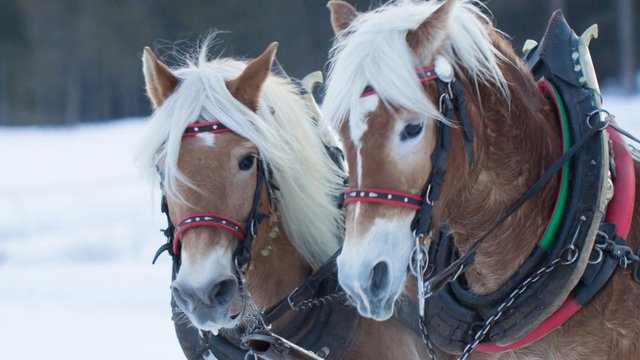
282, 130
374, 51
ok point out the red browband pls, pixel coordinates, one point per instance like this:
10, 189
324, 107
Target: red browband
387, 197
215, 127
209, 220
424, 75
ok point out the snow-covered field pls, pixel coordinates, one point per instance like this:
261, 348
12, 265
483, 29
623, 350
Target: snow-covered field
78, 228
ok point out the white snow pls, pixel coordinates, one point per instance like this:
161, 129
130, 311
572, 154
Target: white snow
78, 228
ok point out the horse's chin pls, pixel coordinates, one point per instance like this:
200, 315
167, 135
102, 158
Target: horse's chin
213, 319
379, 311
214, 326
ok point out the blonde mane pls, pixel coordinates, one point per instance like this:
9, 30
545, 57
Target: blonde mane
374, 51
284, 132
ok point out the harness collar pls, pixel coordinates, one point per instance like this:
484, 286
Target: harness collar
455, 313
619, 214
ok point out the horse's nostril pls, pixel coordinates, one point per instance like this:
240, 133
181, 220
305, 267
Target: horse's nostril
181, 299
223, 292
379, 279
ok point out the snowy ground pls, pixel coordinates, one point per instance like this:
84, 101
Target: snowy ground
78, 228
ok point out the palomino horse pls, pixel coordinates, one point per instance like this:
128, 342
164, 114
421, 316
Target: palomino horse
235, 145
443, 124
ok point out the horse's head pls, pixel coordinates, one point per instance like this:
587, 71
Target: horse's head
383, 98
212, 181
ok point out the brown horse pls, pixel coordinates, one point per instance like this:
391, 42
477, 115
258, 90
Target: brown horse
388, 119
216, 125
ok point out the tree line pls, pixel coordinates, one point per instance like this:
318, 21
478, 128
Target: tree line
67, 61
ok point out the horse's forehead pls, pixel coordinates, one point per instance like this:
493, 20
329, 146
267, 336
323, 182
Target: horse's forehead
209, 162
206, 150
371, 122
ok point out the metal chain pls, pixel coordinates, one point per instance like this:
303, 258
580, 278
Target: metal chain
419, 264
567, 256
255, 318
426, 340
311, 303
507, 304
501, 308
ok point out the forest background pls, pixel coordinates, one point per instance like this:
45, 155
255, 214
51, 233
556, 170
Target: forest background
70, 61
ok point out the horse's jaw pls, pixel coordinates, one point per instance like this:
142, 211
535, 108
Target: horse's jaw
372, 268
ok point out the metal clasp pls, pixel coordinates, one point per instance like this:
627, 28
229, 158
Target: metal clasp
291, 304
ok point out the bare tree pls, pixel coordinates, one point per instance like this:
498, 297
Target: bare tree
627, 51
4, 91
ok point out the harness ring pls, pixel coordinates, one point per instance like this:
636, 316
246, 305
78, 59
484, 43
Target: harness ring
607, 121
569, 255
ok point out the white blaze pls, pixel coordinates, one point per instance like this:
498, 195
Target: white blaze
208, 139
357, 127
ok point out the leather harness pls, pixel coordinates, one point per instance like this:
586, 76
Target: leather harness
566, 270
587, 247
455, 313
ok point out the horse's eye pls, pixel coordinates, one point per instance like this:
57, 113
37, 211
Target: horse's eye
410, 131
246, 163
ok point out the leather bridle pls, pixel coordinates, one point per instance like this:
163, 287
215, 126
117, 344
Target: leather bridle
244, 233
451, 101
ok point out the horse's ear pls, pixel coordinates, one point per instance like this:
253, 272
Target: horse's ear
246, 87
433, 30
159, 80
342, 15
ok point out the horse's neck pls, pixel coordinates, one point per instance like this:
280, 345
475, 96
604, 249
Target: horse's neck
515, 142
276, 266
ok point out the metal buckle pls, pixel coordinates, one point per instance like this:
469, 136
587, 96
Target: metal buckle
624, 254
427, 196
291, 305
442, 102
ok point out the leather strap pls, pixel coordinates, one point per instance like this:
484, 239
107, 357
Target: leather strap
306, 290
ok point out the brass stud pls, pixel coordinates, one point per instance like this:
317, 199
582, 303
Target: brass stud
266, 251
